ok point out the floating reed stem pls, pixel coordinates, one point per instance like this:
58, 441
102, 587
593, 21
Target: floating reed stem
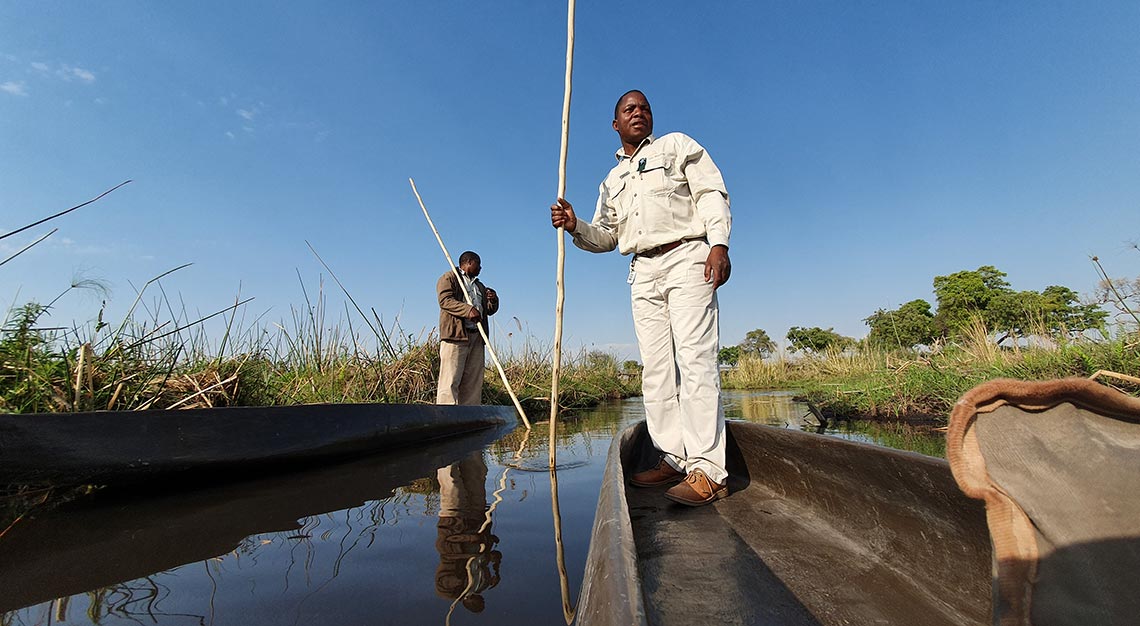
467, 297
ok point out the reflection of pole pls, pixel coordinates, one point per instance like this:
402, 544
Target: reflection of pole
556, 366
497, 497
467, 297
568, 610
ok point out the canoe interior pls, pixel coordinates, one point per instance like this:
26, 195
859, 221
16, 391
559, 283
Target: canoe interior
106, 446
816, 530
122, 534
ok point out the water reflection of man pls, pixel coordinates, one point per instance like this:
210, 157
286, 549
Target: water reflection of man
467, 563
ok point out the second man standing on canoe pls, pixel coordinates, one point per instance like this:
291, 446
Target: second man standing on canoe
461, 356
666, 204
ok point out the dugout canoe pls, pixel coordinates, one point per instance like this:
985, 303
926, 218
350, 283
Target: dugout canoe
124, 533
128, 446
816, 531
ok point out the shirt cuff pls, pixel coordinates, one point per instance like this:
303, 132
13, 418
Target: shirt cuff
717, 239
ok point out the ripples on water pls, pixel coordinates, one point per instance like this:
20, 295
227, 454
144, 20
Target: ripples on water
461, 533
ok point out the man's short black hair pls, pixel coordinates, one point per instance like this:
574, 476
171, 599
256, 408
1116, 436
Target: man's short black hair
618, 103
468, 256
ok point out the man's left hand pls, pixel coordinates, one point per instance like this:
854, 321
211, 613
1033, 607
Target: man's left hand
492, 297
717, 267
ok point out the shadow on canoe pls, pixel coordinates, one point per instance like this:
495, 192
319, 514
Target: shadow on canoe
816, 530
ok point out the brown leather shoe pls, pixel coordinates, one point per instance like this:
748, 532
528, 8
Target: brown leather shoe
697, 490
660, 474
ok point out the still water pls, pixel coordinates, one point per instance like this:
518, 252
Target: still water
461, 533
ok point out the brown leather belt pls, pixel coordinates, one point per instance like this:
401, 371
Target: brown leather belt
666, 247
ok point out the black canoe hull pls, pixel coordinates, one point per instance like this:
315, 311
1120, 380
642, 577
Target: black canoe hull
112, 446
816, 531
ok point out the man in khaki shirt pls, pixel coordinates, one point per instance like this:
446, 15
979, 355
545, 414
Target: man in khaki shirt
666, 204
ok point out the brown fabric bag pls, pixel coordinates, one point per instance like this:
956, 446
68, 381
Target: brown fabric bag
1058, 466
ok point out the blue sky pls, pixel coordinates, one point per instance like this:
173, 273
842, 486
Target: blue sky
867, 147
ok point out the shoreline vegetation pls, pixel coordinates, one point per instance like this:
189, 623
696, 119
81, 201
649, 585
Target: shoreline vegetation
916, 361
171, 364
142, 365
921, 387
912, 367
168, 365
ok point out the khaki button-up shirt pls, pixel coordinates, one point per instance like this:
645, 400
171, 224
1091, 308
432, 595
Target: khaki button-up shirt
668, 190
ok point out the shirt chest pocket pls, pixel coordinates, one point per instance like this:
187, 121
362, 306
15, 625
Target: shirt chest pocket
656, 175
619, 197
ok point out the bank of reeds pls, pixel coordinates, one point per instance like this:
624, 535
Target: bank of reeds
165, 360
870, 383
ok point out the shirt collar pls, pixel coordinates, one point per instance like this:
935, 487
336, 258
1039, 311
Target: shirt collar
620, 153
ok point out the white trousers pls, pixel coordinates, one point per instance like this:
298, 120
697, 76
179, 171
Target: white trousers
461, 368
676, 317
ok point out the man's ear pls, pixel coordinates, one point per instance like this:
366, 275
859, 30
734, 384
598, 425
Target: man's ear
615, 125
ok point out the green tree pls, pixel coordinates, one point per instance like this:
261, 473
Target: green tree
757, 343
986, 294
910, 325
1064, 311
1012, 312
729, 355
816, 339
1055, 310
964, 294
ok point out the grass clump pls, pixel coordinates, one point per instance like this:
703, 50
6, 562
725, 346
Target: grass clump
585, 380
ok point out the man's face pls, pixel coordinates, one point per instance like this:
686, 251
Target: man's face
471, 268
634, 118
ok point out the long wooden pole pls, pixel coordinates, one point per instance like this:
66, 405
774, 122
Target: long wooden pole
568, 610
556, 367
467, 297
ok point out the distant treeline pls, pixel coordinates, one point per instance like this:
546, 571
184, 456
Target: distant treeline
964, 299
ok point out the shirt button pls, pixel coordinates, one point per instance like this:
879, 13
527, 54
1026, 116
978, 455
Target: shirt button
640, 232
